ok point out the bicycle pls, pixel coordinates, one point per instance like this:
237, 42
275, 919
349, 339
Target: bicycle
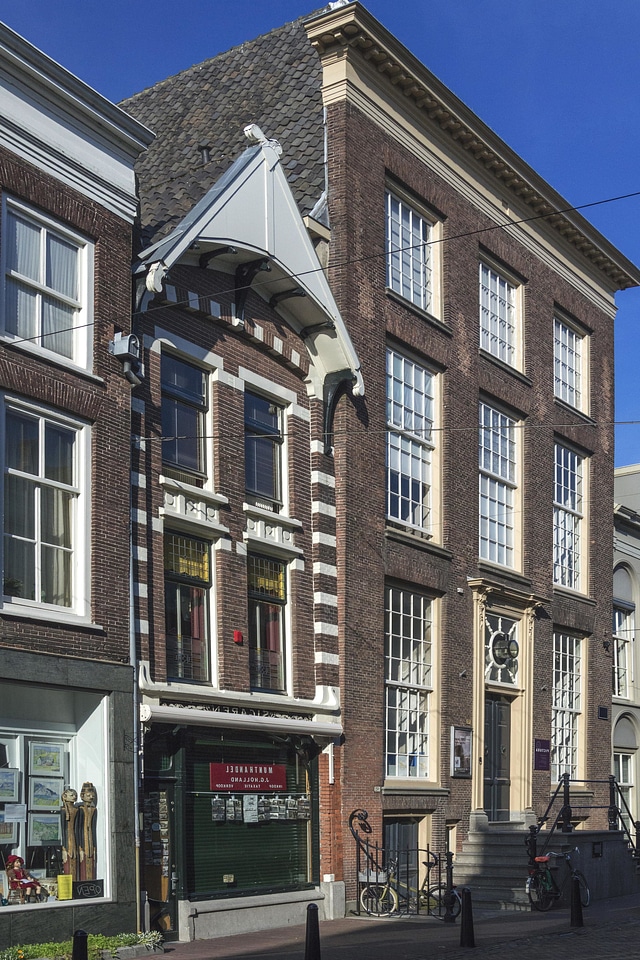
543, 888
383, 899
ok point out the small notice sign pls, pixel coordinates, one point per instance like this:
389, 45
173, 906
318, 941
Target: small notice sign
248, 776
541, 754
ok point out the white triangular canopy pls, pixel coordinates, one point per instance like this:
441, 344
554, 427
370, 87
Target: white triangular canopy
251, 210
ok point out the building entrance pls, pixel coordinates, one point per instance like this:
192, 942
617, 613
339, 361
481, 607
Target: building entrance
497, 757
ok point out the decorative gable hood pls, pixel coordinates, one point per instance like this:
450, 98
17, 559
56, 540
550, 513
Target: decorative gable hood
248, 224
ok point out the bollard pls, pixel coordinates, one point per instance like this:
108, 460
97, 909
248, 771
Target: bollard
312, 941
449, 895
576, 904
79, 950
466, 924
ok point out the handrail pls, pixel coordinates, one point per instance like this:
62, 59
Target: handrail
565, 814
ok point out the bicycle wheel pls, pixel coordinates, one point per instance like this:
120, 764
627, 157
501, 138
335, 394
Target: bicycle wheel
540, 897
436, 899
585, 893
378, 900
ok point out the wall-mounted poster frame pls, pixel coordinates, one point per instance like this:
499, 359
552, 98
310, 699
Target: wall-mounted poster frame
44, 830
46, 759
461, 751
9, 785
8, 831
45, 793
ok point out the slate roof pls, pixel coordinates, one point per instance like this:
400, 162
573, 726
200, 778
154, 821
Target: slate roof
273, 81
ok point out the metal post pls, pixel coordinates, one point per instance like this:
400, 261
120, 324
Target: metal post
612, 812
637, 828
312, 942
448, 899
531, 843
576, 904
566, 812
79, 949
467, 938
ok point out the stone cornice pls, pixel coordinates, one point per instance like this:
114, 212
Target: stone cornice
351, 31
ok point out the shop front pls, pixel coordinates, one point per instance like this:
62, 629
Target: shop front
230, 828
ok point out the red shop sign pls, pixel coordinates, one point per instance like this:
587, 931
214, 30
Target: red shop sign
248, 776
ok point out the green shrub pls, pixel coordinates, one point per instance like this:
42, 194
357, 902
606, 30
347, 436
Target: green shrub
95, 944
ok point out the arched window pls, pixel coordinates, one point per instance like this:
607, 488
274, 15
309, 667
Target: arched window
623, 632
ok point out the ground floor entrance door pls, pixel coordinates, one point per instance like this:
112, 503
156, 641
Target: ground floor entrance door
497, 756
401, 842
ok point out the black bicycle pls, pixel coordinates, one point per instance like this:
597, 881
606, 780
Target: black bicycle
544, 890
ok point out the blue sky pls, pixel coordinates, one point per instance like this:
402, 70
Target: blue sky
556, 79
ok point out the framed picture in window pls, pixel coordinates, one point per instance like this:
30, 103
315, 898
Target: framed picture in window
46, 759
44, 793
8, 831
9, 785
461, 751
45, 830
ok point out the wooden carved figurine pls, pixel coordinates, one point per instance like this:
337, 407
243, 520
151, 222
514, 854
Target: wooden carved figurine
69, 844
85, 825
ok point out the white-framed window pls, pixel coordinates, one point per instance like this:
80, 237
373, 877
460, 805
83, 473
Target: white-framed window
263, 442
408, 682
568, 518
61, 745
500, 321
623, 772
411, 406
267, 595
45, 502
569, 349
497, 452
566, 705
187, 583
413, 256
622, 634
48, 281
184, 410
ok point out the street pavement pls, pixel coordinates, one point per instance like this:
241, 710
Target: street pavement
611, 930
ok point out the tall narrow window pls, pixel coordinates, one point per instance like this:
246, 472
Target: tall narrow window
622, 637
498, 315
263, 445
567, 360
183, 418
410, 415
46, 273
267, 602
411, 259
566, 705
409, 681
41, 520
498, 484
186, 587
623, 772
623, 632
567, 518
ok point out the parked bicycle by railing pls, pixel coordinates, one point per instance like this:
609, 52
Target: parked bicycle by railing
385, 893
544, 890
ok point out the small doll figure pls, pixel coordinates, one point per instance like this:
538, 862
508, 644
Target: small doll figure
20, 879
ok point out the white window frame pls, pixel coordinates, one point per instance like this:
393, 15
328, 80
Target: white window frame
569, 519
80, 606
624, 759
412, 243
82, 324
622, 635
500, 298
498, 486
412, 404
570, 348
566, 707
409, 678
